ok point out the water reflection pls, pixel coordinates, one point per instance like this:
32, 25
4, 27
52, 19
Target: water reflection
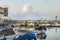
53, 33
56, 30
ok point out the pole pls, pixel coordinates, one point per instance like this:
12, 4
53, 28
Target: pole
41, 34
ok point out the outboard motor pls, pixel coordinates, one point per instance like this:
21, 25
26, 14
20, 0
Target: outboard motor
41, 35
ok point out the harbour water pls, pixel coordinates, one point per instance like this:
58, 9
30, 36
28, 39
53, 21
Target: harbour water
53, 33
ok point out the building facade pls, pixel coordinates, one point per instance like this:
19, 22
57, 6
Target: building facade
3, 12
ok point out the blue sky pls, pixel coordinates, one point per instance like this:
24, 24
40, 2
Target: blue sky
36, 9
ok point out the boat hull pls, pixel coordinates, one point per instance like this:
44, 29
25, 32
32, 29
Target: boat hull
11, 37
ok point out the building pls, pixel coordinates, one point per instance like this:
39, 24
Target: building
3, 14
3, 11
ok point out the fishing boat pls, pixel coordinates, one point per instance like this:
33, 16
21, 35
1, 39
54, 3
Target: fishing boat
6, 32
24, 30
29, 29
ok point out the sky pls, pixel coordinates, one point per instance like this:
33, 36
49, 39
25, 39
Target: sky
32, 9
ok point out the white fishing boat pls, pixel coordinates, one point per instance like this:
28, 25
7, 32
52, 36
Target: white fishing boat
24, 30
6, 32
21, 31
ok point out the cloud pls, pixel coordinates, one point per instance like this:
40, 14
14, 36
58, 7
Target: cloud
26, 8
29, 14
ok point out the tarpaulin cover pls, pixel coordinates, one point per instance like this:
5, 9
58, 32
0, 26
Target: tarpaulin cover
28, 36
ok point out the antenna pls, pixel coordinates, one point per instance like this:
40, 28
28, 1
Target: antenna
55, 17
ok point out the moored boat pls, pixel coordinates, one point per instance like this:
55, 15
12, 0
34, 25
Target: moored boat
6, 32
